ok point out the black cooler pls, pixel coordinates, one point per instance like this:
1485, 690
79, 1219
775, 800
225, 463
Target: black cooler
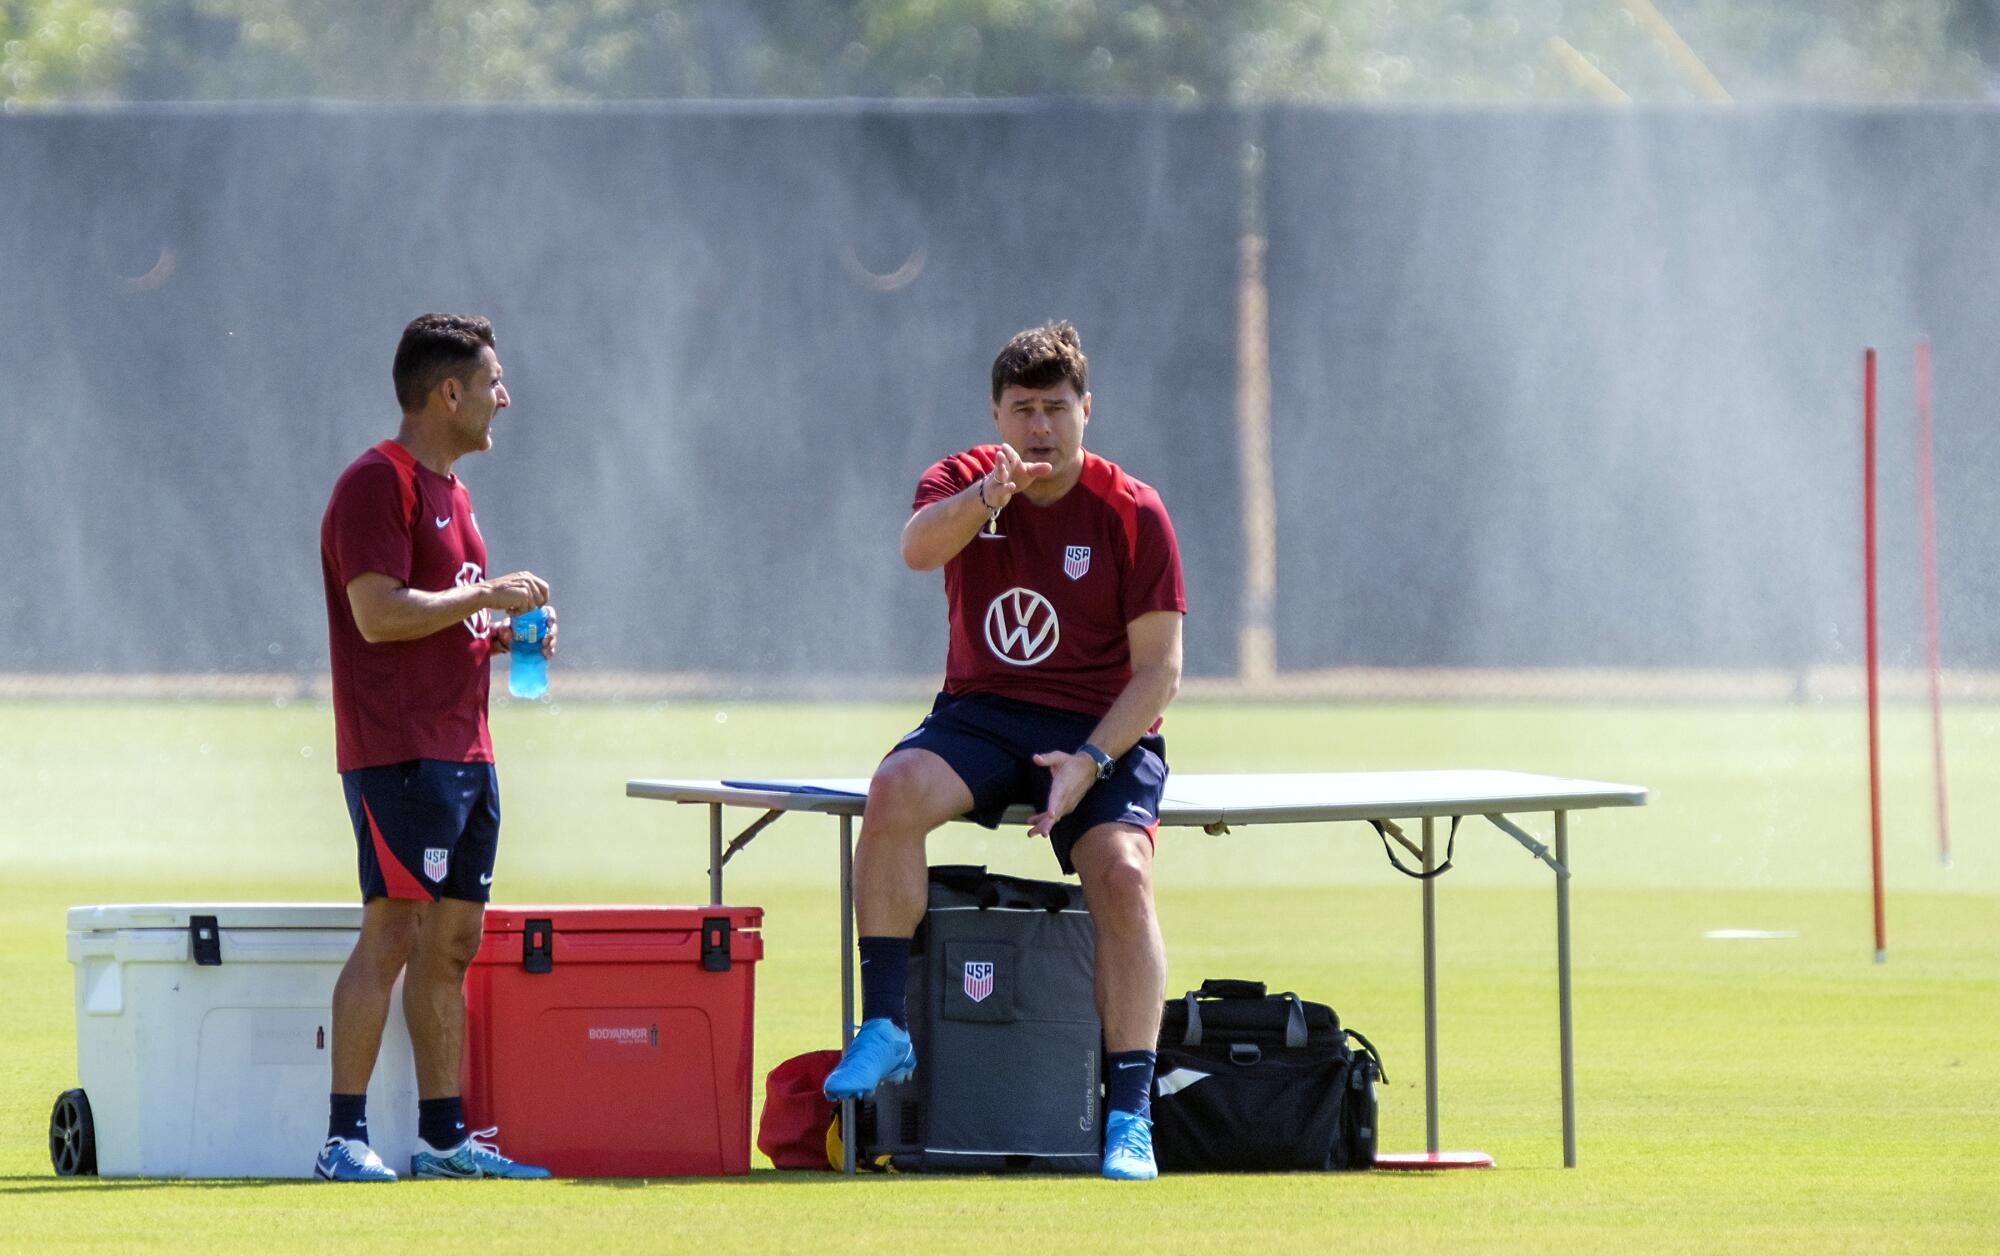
1009, 1048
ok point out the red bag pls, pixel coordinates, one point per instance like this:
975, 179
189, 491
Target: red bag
793, 1129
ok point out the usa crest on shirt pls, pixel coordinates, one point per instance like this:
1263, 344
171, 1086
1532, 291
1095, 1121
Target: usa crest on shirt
1076, 561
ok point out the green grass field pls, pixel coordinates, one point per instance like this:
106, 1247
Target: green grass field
1733, 1096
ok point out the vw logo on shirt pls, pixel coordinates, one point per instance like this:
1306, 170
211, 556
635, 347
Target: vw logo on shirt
1021, 627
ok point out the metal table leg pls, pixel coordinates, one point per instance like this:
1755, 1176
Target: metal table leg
1562, 985
715, 854
848, 1134
1430, 996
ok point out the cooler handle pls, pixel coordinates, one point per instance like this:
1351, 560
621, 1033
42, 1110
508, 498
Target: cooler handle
715, 944
205, 938
538, 946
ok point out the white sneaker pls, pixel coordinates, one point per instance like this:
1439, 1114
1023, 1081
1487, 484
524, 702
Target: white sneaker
345, 1160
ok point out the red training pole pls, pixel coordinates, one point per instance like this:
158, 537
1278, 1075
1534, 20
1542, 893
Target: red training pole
1868, 587
1927, 528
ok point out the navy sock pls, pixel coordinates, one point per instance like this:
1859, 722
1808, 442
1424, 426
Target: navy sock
885, 973
1128, 1082
349, 1118
441, 1122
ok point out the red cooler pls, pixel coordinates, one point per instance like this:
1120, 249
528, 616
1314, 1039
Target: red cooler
615, 1041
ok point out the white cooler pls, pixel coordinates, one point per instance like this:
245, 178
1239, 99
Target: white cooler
203, 1040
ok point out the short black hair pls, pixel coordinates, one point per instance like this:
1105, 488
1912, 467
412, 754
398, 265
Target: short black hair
434, 346
1042, 357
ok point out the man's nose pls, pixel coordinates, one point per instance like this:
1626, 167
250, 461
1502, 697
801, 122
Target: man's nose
504, 400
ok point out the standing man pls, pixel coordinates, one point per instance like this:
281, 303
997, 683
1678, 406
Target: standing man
410, 632
1064, 586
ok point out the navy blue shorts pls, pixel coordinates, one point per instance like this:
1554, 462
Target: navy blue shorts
425, 829
992, 742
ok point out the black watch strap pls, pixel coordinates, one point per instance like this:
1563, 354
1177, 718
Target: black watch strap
1105, 763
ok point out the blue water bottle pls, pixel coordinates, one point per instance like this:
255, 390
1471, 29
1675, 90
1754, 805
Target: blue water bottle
527, 666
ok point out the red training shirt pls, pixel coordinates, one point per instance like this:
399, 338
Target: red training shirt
1038, 614
398, 700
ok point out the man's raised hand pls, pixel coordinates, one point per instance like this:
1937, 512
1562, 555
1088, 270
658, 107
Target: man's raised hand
1009, 476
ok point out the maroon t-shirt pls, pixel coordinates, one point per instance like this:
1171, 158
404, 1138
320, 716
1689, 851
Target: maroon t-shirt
1038, 613
398, 700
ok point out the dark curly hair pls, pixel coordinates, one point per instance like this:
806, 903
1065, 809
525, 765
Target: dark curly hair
1042, 357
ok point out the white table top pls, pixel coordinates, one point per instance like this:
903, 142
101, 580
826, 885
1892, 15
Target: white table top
1227, 798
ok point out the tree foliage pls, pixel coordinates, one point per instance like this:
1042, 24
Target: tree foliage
1189, 50
64, 49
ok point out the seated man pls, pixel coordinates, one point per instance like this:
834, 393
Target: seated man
1064, 586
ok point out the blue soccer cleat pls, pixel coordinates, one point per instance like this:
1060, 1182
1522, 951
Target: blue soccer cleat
473, 1158
881, 1052
345, 1160
1128, 1148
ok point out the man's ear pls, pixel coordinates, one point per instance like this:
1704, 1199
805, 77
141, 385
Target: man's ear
453, 389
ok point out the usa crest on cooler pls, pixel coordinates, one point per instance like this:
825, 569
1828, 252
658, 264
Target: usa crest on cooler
978, 980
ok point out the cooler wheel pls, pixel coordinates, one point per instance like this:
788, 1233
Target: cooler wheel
72, 1138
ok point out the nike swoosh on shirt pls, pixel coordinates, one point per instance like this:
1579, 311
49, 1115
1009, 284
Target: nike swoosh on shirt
442, 523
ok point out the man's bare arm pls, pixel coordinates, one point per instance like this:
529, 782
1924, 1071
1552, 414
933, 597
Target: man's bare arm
1155, 642
386, 609
935, 534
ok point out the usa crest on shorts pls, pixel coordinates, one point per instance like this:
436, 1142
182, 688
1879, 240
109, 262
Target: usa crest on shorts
1076, 561
436, 858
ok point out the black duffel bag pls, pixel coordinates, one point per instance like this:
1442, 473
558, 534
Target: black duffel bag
1249, 1081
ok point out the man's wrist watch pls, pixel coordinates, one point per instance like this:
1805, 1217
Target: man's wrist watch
1103, 761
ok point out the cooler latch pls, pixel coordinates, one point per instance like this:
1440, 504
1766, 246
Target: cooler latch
715, 944
206, 938
538, 946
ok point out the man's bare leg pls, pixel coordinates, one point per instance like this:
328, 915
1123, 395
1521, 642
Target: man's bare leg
434, 993
912, 793
434, 1006
1116, 864
389, 928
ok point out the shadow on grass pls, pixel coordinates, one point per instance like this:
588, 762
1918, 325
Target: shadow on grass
40, 1184
45, 1183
